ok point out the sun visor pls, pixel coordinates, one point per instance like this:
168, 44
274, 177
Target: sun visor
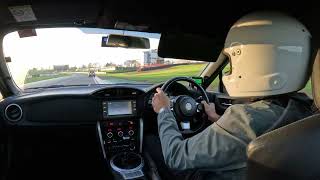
189, 46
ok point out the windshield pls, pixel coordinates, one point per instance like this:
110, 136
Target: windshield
74, 56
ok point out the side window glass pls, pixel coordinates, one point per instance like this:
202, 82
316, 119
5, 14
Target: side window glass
214, 86
307, 89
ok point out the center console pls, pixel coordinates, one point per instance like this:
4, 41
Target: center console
121, 128
121, 132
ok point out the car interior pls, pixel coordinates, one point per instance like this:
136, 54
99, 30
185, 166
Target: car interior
80, 132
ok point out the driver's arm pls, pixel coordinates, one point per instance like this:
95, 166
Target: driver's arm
213, 148
221, 146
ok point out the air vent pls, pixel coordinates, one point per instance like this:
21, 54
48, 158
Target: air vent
13, 112
107, 93
117, 92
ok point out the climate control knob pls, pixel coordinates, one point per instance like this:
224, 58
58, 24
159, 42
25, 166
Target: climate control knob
109, 134
132, 147
120, 133
131, 133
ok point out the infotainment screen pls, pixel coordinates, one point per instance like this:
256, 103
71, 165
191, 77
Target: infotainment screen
119, 108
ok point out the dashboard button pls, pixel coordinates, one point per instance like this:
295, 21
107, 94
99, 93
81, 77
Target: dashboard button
109, 134
120, 133
131, 133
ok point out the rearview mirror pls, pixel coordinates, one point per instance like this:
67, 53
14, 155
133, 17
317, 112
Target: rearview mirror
122, 41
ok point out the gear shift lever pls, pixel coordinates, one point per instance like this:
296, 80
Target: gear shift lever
128, 164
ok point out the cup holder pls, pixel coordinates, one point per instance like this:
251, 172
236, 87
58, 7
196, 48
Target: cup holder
128, 164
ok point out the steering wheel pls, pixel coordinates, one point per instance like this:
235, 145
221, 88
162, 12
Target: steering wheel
188, 111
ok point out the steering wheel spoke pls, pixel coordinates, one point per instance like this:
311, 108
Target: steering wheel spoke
172, 101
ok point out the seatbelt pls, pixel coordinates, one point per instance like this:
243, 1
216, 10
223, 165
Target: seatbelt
154, 174
298, 107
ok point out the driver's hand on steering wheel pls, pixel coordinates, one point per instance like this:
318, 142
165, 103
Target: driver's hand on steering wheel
160, 100
210, 111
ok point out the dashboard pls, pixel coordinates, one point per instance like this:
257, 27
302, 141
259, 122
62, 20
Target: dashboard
70, 129
79, 105
63, 124
116, 111
72, 105
121, 114
66, 123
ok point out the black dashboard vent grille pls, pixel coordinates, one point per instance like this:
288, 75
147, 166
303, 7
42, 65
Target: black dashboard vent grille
115, 92
13, 112
107, 93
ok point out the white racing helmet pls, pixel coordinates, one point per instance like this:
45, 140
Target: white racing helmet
269, 55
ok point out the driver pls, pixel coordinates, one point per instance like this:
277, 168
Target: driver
269, 54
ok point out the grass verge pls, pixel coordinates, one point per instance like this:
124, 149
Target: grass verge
160, 75
41, 78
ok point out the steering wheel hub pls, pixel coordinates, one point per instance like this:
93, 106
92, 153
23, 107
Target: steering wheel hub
186, 105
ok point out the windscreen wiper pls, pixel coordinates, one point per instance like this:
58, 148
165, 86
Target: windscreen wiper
56, 86
132, 84
59, 86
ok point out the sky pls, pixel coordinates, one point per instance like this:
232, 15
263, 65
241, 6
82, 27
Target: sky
72, 46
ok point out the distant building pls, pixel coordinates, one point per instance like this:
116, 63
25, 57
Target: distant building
60, 67
151, 57
108, 68
179, 61
131, 63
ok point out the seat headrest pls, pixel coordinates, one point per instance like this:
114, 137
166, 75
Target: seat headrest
315, 80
